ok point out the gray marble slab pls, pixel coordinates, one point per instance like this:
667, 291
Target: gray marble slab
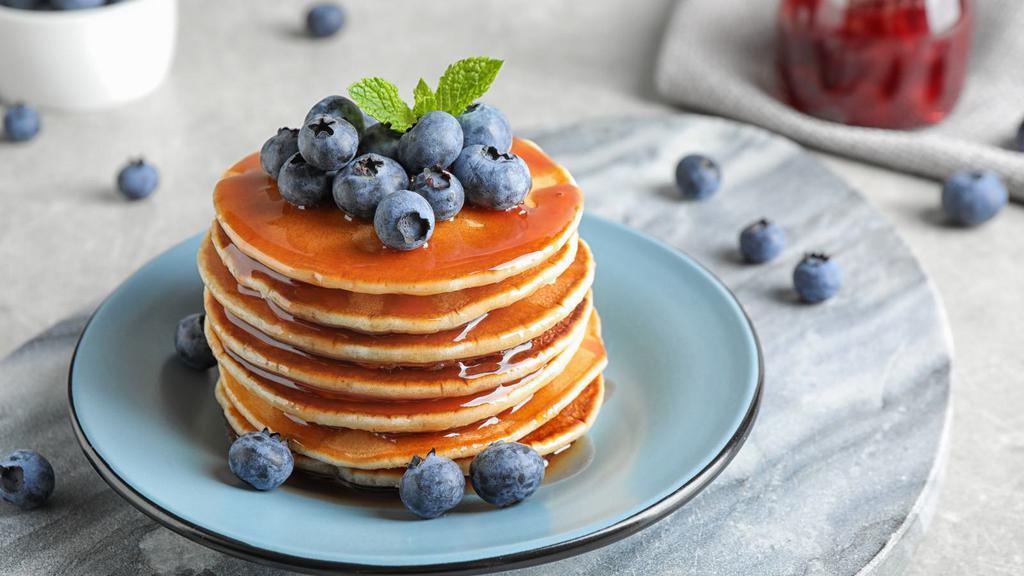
842, 469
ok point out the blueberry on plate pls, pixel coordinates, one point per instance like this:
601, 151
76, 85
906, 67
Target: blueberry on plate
190, 343
431, 486
506, 473
761, 241
442, 190
76, 4
301, 184
697, 177
435, 139
817, 278
361, 185
328, 143
138, 179
404, 220
278, 149
341, 108
26, 479
486, 125
380, 139
492, 179
21, 123
261, 459
325, 20
970, 197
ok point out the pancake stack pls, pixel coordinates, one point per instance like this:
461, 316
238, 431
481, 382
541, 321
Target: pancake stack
363, 357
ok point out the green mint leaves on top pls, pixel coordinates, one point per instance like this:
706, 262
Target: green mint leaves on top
461, 84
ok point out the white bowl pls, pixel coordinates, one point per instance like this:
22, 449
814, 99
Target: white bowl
86, 59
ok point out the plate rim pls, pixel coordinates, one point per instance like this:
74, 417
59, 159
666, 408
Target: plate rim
521, 559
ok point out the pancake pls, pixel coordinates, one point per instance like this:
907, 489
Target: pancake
370, 450
496, 331
385, 313
325, 247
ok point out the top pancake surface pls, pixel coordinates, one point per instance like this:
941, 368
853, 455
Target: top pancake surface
325, 247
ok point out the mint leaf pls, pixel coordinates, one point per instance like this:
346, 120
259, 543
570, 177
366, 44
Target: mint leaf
425, 101
464, 82
379, 98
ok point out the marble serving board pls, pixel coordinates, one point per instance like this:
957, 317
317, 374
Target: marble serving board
838, 477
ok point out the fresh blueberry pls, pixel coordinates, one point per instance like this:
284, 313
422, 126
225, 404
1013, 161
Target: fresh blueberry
442, 190
328, 142
435, 139
361, 185
486, 125
492, 179
278, 149
24, 4
697, 177
138, 179
325, 20
21, 123
341, 108
26, 479
302, 184
431, 486
380, 139
762, 241
261, 459
506, 473
970, 197
404, 220
190, 343
817, 278
76, 4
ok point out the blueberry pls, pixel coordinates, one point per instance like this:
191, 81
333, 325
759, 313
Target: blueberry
762, 241
380, 139
325, 20
404, 220
970, 197
26, 479
24, 4
76, 4
190, 343
359, 187
431, 486
341, 108
486, 125
278, 149
506, 473
21, 123
697, 177
328, 142
138, 179
492, 179
442, 190
261, 459
817, 278
435, 139
303, 184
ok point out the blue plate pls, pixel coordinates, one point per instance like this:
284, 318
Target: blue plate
685, 380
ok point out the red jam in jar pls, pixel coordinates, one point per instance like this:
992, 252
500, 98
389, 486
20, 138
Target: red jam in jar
881, 63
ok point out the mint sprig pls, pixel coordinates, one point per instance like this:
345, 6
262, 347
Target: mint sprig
461, 84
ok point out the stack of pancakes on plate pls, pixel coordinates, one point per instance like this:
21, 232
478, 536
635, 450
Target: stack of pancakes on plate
363, 356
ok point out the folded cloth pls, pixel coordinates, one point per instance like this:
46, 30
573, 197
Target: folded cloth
718, 56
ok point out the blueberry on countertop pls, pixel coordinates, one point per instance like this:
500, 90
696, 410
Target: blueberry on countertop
435, 139
325, 19
380, 139
492, 179
138, 179
21, 123
432, 486
817, 278
404, 220
26, 479
261, 459
442, 190
697, 177
361, 185
761, 241
190, 343
278, 149
327, 142
341, 108
970, 197
301, 184
486, 125
506, 473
